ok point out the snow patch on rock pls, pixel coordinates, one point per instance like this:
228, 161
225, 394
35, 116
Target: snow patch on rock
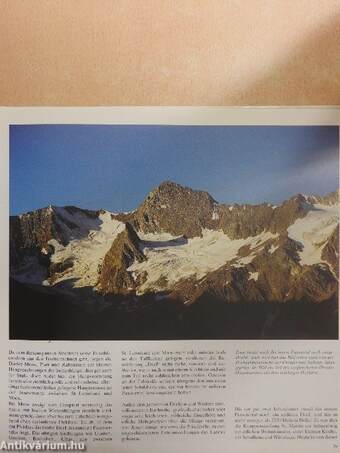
313, 231
241, 262
215, 215
253, 276
273, 248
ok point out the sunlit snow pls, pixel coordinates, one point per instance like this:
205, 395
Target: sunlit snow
253, 276
170, 259
215, 215
313, 230
87, 253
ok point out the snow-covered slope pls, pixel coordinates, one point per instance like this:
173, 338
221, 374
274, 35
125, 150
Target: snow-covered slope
78, 255
170, 259
87, 253
313, 231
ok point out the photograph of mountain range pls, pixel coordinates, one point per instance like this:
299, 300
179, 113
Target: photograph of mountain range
173, 232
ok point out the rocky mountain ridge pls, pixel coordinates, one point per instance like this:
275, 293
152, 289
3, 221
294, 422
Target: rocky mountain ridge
182, 244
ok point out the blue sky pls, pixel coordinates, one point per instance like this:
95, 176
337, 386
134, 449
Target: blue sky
114, 167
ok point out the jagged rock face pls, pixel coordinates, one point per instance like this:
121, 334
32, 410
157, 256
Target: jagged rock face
243, 221
182, 243
30, 232
330, 252
175, 209
288, 212
182, 211
114, 277
330, 199
33, 230
314, 283
33, 233
247, 220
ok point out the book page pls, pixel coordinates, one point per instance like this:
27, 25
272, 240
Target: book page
169, 279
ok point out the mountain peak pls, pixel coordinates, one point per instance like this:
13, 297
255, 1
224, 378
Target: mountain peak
168, 183
330, 198
171, 188
174, 208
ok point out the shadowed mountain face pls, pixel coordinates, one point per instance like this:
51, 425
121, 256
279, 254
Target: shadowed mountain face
180, 266
114, 275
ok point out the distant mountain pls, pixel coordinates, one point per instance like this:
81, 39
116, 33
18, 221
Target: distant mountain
180, 247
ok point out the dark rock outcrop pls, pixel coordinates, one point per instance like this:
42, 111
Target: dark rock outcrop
330, 252
114, 277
